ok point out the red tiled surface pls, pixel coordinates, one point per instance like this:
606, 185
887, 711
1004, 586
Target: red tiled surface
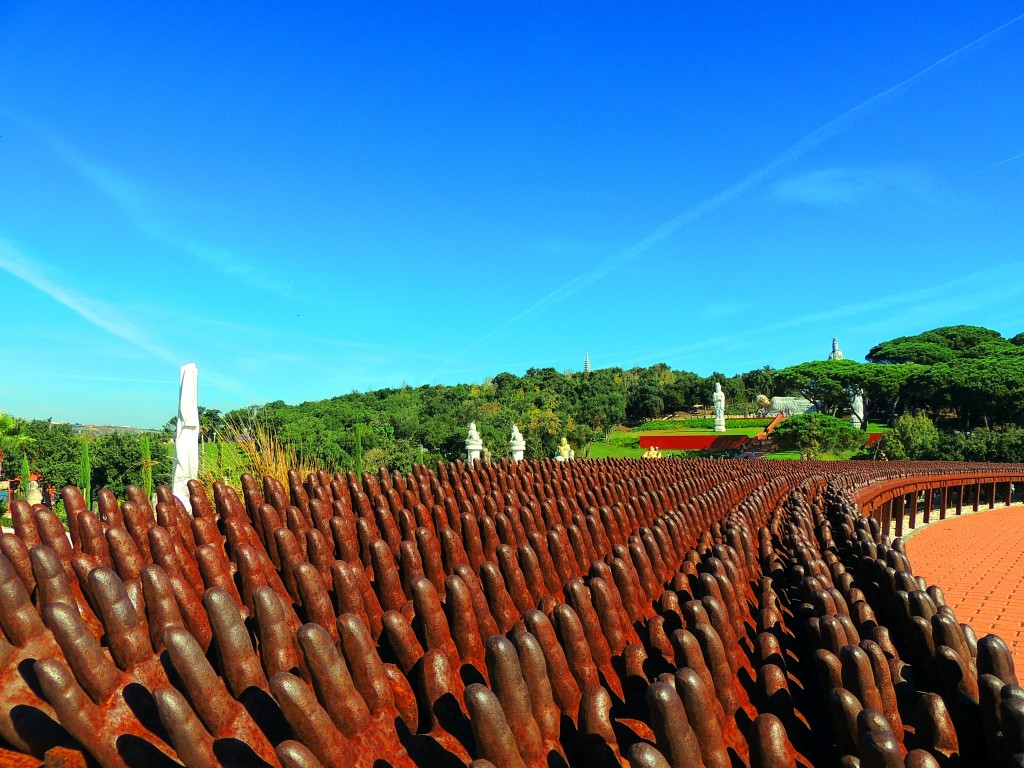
978, 562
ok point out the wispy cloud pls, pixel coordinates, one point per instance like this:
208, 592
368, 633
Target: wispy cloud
46, 374
133, 201
928, 301
44, 277
48, 280
848, 188
808, 143
244, 334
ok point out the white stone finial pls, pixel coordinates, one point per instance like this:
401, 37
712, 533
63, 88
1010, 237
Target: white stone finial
517, 444
474, 443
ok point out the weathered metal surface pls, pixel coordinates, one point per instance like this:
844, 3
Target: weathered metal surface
535, 614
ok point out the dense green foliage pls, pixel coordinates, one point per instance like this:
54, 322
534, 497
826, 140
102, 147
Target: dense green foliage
816, 434
51, 451
983, 444
916, 437
65, 458
12, 437
913, 436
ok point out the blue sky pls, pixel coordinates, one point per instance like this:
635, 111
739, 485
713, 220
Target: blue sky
307, 200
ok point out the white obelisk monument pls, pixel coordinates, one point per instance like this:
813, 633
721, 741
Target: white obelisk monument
186, 437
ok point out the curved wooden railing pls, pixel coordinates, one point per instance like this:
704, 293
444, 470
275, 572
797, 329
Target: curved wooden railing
901, 503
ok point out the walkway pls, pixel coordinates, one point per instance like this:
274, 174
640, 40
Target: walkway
978, 561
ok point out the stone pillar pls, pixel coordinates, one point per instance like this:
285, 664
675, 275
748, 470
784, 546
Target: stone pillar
992, 496
944, 501
960, 499
901, 502
886, 520
912, 501
929, 500
977, 496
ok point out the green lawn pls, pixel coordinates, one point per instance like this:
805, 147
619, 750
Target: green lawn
795, 455
784, 455
606, 451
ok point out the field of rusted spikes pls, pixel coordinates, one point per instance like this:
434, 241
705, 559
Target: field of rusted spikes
541, 614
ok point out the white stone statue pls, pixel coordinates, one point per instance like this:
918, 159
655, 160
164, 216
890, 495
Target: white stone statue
517, 444
857, 409
836, 353
186, 436
474, 443
718, 401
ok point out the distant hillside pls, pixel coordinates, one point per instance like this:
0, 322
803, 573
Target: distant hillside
960, 376
95, 430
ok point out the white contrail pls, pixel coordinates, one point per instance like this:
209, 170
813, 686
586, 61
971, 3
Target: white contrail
806, 144
98, 313
130, 199
1001, 162
42, 277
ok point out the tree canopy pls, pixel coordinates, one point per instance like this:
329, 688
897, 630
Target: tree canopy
817, 434
966, 375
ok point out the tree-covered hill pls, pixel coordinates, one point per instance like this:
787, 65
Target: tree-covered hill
967, 381
398, 426
960, 376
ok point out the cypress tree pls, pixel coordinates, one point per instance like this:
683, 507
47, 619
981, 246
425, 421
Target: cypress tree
85, 474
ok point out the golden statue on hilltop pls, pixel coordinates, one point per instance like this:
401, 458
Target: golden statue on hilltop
654, 452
